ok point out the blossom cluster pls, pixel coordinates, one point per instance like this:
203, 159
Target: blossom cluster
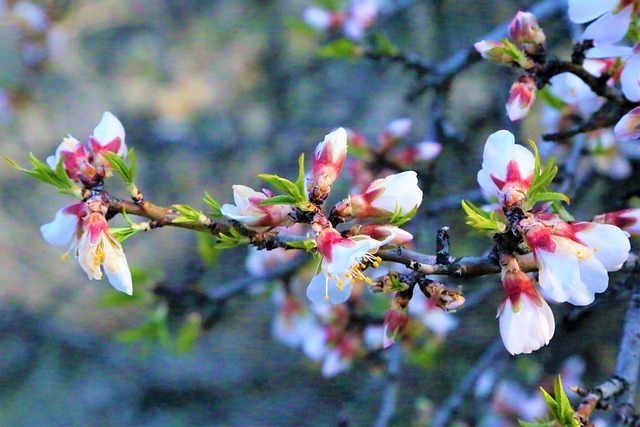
83, 225
352, 21
573, 258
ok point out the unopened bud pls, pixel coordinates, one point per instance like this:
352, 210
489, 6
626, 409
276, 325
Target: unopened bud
521, 98
494, 51
524, 29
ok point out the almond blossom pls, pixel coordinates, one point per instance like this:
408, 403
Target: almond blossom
574, 258
248, 211
84, 228
526, 321
384, 197
85, 163
97, 247
343, 259
507, 169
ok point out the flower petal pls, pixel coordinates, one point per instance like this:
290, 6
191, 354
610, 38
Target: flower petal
108, 130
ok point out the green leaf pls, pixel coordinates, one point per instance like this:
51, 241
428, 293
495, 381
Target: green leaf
189, 333
278, 200
283, 185
301, 182
122, 234
308, 245
537, 424
126, 171
559, 405
550, 99
189, 214
215, 206
41, 171
342, 48
484, 221
231, 240
330, 5
398, 219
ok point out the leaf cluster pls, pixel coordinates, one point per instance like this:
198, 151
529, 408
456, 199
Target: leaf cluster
41, 171
487, 222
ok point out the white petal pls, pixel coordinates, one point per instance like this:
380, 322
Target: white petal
610, 28
558, 273
321, 285
116, 267
581, 11
232, 212
61, 230
610, 244
109, 129
609, 51
630, 77
593, 279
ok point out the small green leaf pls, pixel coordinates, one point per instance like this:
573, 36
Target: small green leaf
283, 185
301, 182
278, 200
484, 221
189, 214
342, 48
215, 206
233, 239
398, 219
559, 405
126, 171
122, 234
550, 99
308, 245
189, 333
41, 171
537, 424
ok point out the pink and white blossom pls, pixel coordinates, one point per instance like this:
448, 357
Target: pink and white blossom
382, 232
631, 71
292, 322
97, 248
425, 151
493, 51
507, 169
248, 211
526, 321
573, 259
383, 197
342, 262
627, 220
431, 316
85, 163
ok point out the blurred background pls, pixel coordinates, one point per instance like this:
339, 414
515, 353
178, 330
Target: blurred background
212, 93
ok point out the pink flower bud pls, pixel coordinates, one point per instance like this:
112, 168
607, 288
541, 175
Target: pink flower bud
493, 51
521, 98
395, 322
524, 29
399, 237
248, 210
327, 163
424, 151
627, 220
385, 196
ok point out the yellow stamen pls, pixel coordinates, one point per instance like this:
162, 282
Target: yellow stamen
595, 249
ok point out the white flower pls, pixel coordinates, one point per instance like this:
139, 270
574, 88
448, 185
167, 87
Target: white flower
527, 326
248, 211
573, 259
507, 168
